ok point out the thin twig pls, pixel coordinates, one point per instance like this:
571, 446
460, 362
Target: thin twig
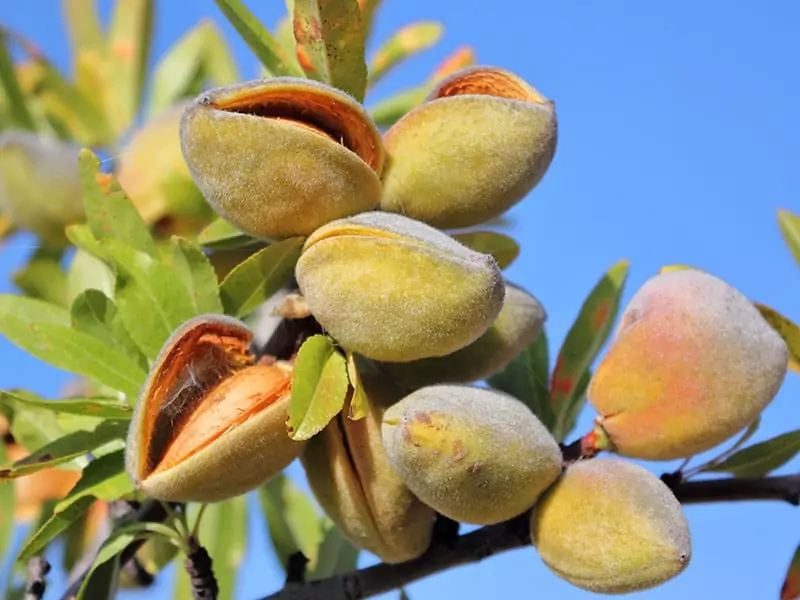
495, 539
35, 586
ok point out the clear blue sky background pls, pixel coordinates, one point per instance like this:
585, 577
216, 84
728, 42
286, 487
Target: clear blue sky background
679, 141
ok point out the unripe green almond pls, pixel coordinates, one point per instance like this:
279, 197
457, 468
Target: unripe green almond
40, 188
480, 142
611, 527
692, 363
210, 424
475, 455
352, 479
393, 289
282, 156
517, 325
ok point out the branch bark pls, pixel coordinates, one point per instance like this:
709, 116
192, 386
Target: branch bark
495, 539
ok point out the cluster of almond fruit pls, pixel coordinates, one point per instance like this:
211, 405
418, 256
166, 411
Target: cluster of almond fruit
691, 363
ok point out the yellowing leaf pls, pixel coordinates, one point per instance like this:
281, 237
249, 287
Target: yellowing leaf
503, 248
406, 42
790, 228
359, 404
788, 330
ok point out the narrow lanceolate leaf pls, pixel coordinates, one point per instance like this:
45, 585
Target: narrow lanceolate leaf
787, 329
369, 9
760, 459
129, 40
197, 274
259, 277
6, 506
223, 533
74, 351
15, 99
335, 555
526, 378
359, 404
55, 526
292, 521
790, 228
65, 449
32, 310
32, 426
258, 38
220, 65
330, 43
790, 590
406, 42
180, 68
222, 235
118, 540
105, 408
95, 314
586, 337
83, 25
284, 35
109, 212
319, 387
104, 479
572, 409
503, 248
42, 277
152, 301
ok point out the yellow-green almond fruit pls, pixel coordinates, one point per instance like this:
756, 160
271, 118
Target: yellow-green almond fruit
475, 147
394, 289
518, 324
210, 423
691, 363
40, 189
280, 157
475, 455
154, 175
611, 527
352, 479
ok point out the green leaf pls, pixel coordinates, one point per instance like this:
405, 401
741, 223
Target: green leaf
586, 338
260, 276
759, 459
403, 44
368, 10
88, 272
222, 235
503, 248
292, 521
790, 590
32, 425
258, 38
390, 110
330, 43
526, 378
102, 408
95, 314
336, 554
129, 37
65, 449
6, 506
83, 25
119, 539
82, 237
151, 300
103, 582
15, 99
196, 273
109, 212
42, 277
788, 330
31, 310
790, 229
220, 66
104, 478
223, 533
572, 409
54, 526
319, 387
76, 352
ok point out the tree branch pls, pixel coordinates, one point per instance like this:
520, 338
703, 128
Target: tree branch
495, 539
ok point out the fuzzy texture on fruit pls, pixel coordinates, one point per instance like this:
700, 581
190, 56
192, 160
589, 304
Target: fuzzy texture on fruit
351, 477
475, 455
479, 143
280, 157
611, 527
210, 424
691, 363
394, 289
518, 324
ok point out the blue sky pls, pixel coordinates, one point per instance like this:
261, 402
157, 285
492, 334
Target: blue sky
679, 141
